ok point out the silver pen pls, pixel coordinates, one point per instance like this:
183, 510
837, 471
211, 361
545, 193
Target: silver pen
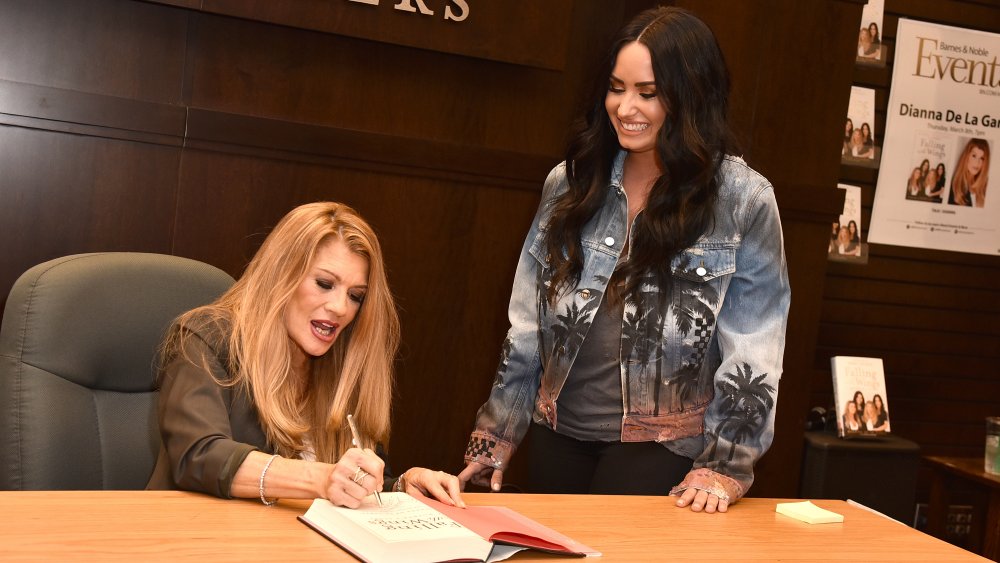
356, 439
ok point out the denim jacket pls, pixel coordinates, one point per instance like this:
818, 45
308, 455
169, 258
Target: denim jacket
699, 375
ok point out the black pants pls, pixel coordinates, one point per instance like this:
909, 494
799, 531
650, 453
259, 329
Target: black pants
560, 464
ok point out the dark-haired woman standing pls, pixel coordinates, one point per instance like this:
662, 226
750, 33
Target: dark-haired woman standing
649, 307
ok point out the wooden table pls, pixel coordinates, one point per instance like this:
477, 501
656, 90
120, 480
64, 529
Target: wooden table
161, 525
969, 470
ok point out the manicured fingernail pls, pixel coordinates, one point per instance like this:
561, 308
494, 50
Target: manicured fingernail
496, 487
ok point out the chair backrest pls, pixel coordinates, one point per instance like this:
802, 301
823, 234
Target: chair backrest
78, 352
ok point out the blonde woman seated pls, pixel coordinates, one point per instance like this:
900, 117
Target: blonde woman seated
255, 388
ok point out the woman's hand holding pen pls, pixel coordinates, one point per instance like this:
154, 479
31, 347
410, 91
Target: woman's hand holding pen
482, 475
356, 475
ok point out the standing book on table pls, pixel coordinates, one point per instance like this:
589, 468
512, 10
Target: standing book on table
860, 397
410, 529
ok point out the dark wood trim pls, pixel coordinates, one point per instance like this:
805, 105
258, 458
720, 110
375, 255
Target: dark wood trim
44, 103
68, 111
212, 130
81, 113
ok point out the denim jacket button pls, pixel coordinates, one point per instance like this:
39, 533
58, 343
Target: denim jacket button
701, 271
610, 241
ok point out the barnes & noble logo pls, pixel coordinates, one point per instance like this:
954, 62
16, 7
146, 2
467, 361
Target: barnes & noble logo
932, 64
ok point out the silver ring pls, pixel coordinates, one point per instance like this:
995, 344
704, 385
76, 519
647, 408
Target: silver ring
359, 476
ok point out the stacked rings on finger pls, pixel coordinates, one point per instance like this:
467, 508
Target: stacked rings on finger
359, 475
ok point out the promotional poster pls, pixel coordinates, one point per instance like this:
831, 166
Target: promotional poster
942, 129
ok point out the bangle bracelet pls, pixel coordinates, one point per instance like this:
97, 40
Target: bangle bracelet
400, 485
263, 499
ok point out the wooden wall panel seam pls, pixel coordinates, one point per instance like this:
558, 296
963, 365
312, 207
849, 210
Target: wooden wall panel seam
82, 113
85, 108
88, 130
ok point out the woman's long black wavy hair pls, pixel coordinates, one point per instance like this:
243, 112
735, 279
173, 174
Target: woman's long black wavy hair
692, 81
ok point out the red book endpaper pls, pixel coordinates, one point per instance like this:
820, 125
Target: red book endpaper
501, 524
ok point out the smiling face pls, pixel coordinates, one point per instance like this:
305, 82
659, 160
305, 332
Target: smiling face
633, 107
975, 162
326, 300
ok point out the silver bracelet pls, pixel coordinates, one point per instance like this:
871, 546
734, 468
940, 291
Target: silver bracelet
263, 499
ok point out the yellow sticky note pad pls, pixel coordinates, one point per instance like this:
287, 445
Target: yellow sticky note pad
808, 512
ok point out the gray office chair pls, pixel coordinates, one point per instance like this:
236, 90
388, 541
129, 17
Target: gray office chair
78, 347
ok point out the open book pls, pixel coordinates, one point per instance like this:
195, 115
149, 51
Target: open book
860, 397
410, 529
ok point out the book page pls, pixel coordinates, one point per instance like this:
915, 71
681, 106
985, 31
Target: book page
403, 518
403, 529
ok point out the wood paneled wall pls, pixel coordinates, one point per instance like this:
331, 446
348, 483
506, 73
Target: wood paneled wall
191, 126
933, 316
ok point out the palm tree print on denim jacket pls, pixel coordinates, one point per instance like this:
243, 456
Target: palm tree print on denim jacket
701, 358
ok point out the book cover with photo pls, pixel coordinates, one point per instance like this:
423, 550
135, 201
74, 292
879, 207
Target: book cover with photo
845, 236
859, 148
859, 396
927, 176
871, 49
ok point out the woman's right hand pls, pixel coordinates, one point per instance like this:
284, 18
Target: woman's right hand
356, 475
482, 475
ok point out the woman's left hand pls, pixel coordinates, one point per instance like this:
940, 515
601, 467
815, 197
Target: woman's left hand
435, 484
701, 500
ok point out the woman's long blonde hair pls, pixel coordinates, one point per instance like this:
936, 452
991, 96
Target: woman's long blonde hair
354, 376
963, 183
